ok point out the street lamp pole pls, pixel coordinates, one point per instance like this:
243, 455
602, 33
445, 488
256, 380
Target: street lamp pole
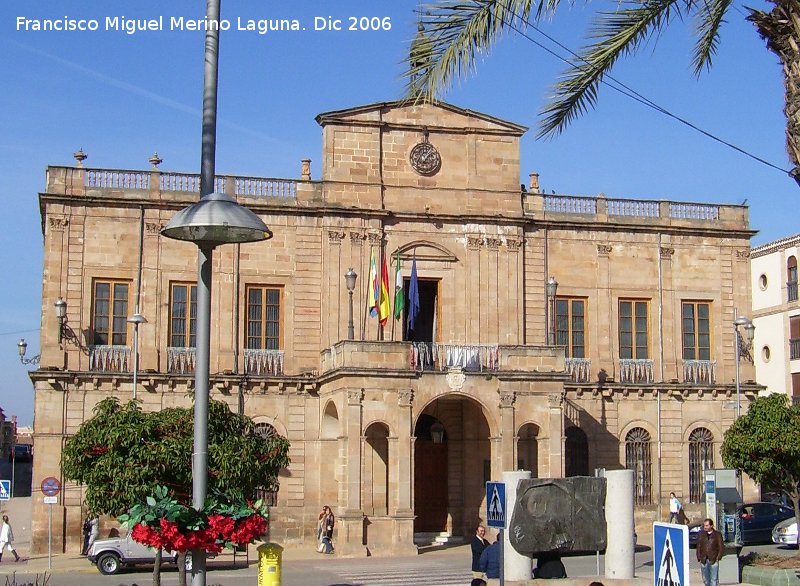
550, 289
136, 319
350, 280
214, 220
749, 329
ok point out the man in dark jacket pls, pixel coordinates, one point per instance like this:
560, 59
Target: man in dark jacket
478, 544
709, 551
490, 560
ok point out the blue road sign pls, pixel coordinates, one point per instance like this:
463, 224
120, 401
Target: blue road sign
670, 554
5, 490
496, 505
50, 486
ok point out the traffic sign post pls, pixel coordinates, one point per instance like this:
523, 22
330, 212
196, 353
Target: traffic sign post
5, 490
670, 554
496, 516
50, 489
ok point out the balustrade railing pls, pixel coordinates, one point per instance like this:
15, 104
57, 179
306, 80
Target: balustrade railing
114, 179
181, 360
567, 204
263, 362
109, 358
635, 370
700, 371
470, 357
263, 187
693, 211
634, 208
794, 348
579, 369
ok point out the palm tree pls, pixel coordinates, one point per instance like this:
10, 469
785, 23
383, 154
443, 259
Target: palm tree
456, 31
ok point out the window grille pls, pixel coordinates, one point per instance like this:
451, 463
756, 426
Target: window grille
637, 458
701, 458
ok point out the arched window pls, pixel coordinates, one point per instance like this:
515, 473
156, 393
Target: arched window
268, 494
576, 452
791, 278
701, 458
637, 458
528, 449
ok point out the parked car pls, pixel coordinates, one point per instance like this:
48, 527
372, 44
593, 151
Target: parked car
111, 555
785, 532
756, 521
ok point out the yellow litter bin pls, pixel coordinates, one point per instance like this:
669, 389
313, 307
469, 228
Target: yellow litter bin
269, 564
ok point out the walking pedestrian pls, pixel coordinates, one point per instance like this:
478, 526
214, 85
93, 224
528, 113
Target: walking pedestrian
675, 507
478, 544
709, 551
490, 560
326, 524
94, 531
7, 538
86, 530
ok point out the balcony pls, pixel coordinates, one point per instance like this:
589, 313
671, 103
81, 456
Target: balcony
700, 372
794, 349
181, 360
791, 290
579, 369
633, 370
263, 362
109, 358
470, 357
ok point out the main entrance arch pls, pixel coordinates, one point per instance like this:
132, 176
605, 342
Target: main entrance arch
452, 462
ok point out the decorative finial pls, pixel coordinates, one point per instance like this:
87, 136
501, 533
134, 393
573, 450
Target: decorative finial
80, 156
155, 160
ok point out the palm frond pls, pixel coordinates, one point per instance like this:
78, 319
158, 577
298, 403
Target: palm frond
618, 34
455, 33
710, 16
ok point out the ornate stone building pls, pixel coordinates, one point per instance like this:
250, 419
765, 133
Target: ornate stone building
630, 363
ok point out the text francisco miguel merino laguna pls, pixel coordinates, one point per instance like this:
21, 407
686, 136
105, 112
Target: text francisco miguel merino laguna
174, 23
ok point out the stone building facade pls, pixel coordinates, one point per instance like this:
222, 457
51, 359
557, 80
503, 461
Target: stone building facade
630, 364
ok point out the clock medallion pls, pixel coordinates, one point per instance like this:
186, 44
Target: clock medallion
424, 157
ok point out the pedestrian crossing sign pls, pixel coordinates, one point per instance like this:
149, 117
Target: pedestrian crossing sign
496, 505
5, 490
670, 554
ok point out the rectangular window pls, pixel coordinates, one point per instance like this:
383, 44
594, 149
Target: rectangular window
263, 318
183, 315
633, 338
110, 313
570, 316
696, 321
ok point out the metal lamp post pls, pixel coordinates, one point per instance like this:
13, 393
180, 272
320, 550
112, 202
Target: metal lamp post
136, 319
61, 314
551, 288
214, 220
749, 332
350, 280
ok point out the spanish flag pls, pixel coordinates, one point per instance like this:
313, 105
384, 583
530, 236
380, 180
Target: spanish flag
383, 304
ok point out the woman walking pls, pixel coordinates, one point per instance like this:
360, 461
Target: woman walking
7, 538
325, 531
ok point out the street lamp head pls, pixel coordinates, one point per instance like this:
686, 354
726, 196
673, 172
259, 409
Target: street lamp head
552, 287
350, 279
22, 346
137, 319
216, 219
61, 308
741, 321
749, 331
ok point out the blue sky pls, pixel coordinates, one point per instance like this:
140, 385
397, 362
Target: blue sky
123, 96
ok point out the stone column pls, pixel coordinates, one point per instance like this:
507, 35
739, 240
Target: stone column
556, 433
507, 448
516, 567
619, 524
350, 533
404, 467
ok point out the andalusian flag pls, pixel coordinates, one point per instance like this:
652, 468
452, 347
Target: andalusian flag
383, 300
372, 301
399, 298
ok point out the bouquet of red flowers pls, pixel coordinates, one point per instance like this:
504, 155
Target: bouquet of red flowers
164, 522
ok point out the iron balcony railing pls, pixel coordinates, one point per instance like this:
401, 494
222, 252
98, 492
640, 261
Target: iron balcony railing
791, 290
181, 360
109, 358
263, 362
700, 372
579, 369
635, 370
470, 357
794, 348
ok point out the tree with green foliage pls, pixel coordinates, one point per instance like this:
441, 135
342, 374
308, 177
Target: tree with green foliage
765, 444
122, 454
456, 32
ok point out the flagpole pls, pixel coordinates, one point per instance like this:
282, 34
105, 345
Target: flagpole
394, 297
363, 301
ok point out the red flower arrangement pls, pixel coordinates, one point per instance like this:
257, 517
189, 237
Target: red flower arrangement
165, 523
